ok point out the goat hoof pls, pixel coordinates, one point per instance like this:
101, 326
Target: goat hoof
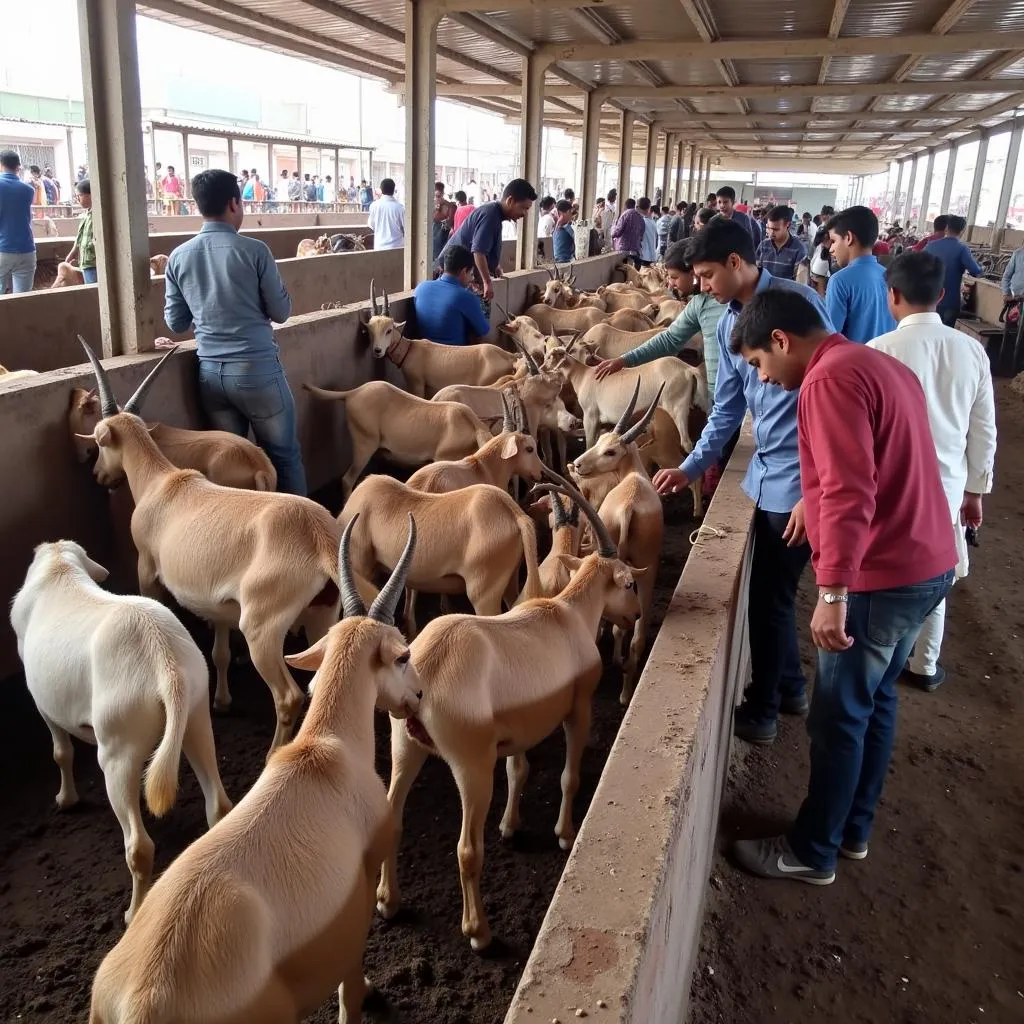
387, 911
506, 833
479, 943
566, 843
222, 706
65, 803
625, 697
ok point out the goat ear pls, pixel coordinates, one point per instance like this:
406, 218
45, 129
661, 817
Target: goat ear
102, 435
510, 447
571, 562
400, 325
311, 660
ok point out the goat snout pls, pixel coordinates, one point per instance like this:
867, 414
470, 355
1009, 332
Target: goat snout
419, 695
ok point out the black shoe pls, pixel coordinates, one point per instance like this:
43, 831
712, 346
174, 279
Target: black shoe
773, 858
754, 730
925, 682
796, 705
853, 851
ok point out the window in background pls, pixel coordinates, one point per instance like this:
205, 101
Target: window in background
992, 179
963, 179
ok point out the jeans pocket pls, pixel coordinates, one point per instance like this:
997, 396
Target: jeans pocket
893, 614
260, 398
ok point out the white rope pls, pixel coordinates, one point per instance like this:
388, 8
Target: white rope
707, 531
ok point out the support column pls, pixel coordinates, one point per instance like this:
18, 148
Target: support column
929, 167
113, 113
231, 158
947, 188
652, 159
337, 168
625, 156
902, 165
186, 173
531, 139
910, 194
706, 178
680, 160
666, 171
152, 161
420, 74
979, 173
68, 194
591, 149
692, 191
1005, 193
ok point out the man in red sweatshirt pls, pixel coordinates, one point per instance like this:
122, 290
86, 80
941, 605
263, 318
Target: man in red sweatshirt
883, 553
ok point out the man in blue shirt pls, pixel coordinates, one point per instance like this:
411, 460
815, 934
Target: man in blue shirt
446, 310
725, 199
857, 297
227, 287
781, 252
649, 242
480, 232
17, 244
562, 237
723, 260
957, 260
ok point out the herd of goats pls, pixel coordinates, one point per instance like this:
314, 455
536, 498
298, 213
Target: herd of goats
269, 911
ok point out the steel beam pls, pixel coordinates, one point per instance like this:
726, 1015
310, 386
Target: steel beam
925, 191
531, 137
591, 146
692, 195
652, 158
625, 156
939, 88
979, 174
680, 154
113, 113
1006, 192
947, 187
666, 170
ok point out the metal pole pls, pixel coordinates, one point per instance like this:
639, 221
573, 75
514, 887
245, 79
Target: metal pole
692, 195
652, 158
947, 188
625, 156
531, 137
186, 178
680, 155
979, 174
666, 170
71, 169
910, 193
231, 156
1006, 192
928, 169
591, 149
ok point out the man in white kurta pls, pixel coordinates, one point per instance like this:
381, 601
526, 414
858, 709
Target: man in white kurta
954, 372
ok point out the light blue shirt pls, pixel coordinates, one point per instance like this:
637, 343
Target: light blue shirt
1013, 276
857, 300
773, 476
649, 243
227, 287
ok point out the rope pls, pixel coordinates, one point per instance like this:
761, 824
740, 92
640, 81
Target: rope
711, 531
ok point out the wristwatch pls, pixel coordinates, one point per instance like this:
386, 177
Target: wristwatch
830, 598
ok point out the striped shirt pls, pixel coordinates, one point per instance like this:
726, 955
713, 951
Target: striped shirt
781, 262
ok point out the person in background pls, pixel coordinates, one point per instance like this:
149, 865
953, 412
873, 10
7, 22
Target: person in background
570, 195
883, 556
628, 232
441, 223
548, 217
83, 252
857, 296
956, 377
463, 209
173, 191
820, 261
722, 256
295, 188
805, 229
611, 208
308, 189
712, 201
35, 179
958, 260
243, 180
649, 242
563, 236
352, 193
664, 226
446, 310
51, 188
17, 243
386, 218
938, 231
327, 194
1012, 284
281, 191
248, 185
481, 231
597, 217
677, 225
725, 199
473, 192
226, 287
688, 220
365, 195
781, 251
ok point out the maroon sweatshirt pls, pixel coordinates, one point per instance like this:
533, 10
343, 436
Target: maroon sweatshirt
875, 511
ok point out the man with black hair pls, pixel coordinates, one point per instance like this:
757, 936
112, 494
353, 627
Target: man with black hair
700, 316
781, 252
446, 310
386, 218
958, 260
938, 231
226, 287
548, 216
17, 243
883, 557
722, 256
628, 232
725, 199
856, 295
649, 241
480, 232
954, 372
83, 252
563, 239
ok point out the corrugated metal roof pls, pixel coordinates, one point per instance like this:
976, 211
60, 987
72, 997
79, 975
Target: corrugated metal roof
891, 17
949, 65
992, 16
752, 19
772, 72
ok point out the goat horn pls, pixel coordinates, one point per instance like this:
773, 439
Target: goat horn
108, 404
384, 605
620, 427
508, 423
373, 298
531, 363
641, 424
605, 545
351, 602
558, 511
387, 303
552, 273
524, 420
134, 404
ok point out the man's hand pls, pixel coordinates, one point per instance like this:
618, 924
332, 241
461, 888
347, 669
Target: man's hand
970, 510
828, 627
497, 272
488, 290
795, 532
670, 481
607, 367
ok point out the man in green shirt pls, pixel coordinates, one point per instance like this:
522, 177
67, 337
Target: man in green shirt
700, 316
83, 254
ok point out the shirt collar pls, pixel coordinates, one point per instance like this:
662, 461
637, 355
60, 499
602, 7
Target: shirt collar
915, 319
216, 225
764, 281
827, 345
10, 174
866, 258
450, 279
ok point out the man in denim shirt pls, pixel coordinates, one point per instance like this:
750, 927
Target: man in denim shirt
226, 286
722, 256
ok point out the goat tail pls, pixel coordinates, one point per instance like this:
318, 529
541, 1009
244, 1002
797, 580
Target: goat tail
325, 395
264, 481
528, 533
161, 785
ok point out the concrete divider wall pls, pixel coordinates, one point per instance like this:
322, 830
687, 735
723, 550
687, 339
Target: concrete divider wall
48, 495
625, 921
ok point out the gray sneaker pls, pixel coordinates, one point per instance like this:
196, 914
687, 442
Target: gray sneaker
853, 851
772, 858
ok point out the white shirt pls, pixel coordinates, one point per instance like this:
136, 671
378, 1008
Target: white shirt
387, 221
546, 225
820, 265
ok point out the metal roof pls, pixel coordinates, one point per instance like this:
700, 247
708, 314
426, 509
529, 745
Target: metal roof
886, 77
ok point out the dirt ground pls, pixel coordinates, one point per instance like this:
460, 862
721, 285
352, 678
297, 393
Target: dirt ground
929, 929
64, 884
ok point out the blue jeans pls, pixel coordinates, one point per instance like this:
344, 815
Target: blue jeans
17, 272
89, 274
852, 723
237, 394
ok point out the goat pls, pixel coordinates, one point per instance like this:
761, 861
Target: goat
10, 376
222, 457
565, 540
347, 243
308, 247
662, 448
68, 275
551, 321
609, 342
119, 672
265, 915
633, 513
428, 365
157, 265
636, 299
495, 687
664, 312
248, 560
408, 430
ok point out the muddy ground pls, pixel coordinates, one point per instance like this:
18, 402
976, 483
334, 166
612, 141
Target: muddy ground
64, 885
929, 929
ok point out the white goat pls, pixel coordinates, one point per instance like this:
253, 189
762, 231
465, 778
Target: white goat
119, 672
10, 376
496, 687
264, 916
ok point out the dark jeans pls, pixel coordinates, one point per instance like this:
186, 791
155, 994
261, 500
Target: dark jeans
771, 617
852, 723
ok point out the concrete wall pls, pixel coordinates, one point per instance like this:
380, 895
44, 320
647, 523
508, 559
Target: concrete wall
48, 495
988, 300
625, 921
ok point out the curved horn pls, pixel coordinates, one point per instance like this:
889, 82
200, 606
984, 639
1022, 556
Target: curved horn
553, 274
373, 298
387, 303
502, 310
108, 404
524, 420
531, 363
558, 511
134, 404
351, 602
605, 545
620, 427
641, 424
384, 605
508, 425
